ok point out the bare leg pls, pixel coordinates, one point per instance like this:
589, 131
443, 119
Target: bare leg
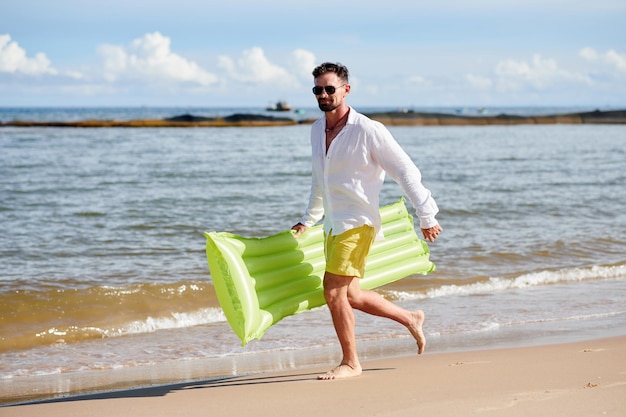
336, 294
373, 303
342, 295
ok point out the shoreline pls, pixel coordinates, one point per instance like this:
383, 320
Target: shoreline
398, 118
263, 360
177, 370
576, 378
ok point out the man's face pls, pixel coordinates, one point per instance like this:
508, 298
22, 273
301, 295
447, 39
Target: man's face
329, 102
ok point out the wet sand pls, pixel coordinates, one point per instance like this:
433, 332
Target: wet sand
574, 379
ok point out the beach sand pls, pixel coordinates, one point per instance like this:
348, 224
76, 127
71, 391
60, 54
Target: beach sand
570, 379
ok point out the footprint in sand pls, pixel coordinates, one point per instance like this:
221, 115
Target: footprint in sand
468, 363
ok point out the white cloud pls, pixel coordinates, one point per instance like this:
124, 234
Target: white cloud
13, 59
302, 63
610, 57
479, 82
589, 54
151, 58
540, 74
254, 68
617, 59
419, 80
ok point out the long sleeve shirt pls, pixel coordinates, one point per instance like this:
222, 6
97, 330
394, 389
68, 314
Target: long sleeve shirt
347, 180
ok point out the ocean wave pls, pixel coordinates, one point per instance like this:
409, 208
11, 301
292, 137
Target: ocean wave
61, 335
174, 321
60, 315
495, 284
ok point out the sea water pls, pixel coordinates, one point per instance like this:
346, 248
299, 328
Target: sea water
104, 280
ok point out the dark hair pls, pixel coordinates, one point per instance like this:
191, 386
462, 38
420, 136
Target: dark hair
340, 70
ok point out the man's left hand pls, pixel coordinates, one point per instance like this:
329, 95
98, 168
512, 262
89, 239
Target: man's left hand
432, 233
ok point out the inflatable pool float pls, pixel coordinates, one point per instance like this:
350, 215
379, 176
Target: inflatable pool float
259, 281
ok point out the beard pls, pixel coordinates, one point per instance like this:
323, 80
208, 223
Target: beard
327, 106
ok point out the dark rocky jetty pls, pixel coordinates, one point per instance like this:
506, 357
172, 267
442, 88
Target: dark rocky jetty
400, 118
441, 119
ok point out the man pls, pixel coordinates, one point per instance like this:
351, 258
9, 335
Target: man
351, 154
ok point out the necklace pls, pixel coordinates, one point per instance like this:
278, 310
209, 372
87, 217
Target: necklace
328, 129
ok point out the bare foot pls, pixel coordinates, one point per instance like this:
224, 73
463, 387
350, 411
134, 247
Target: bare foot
341, 371
416, 330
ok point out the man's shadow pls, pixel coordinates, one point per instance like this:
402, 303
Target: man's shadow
163, 390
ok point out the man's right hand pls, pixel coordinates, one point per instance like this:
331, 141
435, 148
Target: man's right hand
299, 228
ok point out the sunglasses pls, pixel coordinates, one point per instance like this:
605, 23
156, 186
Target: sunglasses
330, 90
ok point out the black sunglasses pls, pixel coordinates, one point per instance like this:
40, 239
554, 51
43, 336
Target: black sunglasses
330, 90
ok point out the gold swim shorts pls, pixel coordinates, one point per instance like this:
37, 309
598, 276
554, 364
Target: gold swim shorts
347, 252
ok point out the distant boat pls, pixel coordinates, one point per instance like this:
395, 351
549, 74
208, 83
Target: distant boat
279, 106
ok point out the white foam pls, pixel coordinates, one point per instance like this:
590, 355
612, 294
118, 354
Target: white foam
174, 321
523, 281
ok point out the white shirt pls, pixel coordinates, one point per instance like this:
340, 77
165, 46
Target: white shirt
347, 180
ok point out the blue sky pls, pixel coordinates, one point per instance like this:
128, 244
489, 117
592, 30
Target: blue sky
249, 53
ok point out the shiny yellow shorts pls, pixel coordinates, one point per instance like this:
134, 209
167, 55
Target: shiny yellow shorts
347, 252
